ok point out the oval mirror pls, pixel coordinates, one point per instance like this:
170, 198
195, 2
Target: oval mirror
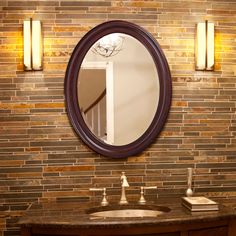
118, 89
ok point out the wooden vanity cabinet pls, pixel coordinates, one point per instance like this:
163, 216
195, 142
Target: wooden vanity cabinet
217, 231
214, 228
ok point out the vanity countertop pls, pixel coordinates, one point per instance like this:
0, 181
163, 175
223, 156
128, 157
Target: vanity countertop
73, 215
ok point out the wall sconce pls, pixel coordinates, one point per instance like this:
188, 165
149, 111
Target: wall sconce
204, 49
33, 55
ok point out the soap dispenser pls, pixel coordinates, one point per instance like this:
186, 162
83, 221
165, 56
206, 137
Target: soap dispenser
189, 191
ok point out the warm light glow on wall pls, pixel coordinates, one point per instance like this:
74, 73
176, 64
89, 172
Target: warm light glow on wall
32, 45
204, 49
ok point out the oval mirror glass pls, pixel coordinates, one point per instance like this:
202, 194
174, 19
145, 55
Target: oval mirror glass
118, 89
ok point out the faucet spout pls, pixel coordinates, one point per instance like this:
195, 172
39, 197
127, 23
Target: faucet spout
124, 184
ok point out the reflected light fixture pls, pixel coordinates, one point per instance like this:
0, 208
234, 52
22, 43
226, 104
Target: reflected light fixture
33, 55
204, 46
109, 45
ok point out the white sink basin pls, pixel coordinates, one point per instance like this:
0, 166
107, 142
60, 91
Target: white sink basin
128, 211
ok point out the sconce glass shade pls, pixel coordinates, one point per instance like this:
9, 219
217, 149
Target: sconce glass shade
27, 45
33, 56
204, 46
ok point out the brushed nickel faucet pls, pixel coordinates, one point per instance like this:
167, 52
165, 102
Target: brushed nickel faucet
124, 184
104, 201
142, 200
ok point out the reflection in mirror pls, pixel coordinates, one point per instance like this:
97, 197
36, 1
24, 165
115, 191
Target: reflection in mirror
118, 89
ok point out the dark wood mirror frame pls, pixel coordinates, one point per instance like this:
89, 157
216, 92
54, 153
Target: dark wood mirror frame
71, 96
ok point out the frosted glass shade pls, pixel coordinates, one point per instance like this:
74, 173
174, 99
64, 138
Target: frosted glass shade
204, 46
32, 45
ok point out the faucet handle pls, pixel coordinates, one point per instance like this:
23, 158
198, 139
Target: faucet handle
149, 187
142, 200
104, 201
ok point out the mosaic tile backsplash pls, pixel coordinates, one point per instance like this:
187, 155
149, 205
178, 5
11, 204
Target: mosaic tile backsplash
41, 158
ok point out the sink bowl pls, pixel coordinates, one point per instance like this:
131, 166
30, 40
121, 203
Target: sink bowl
128, 211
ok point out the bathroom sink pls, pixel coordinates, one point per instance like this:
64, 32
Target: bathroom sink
128, 211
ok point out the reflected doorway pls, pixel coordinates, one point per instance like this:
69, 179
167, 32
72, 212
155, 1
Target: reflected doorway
96, 99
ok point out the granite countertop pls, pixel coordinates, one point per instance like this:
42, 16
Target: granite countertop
75, 214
